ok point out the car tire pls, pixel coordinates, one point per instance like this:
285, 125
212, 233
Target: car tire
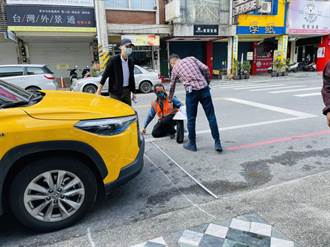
180, 131
33, 89
145, 87
27, 193
90, 88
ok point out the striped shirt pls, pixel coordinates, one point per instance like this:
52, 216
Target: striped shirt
191, 72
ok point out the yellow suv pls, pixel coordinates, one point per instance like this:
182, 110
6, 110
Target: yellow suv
59, 150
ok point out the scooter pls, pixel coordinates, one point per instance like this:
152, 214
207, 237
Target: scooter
73, 74
309, 67
86, 72
293, 67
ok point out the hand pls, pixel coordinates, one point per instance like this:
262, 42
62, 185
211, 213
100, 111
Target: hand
328, 117
144, 131
99, 90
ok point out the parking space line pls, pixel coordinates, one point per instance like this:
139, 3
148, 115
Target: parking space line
266, 89
270, 107
279, 140
178, 189
258, 86
295, 90
187, 173
308, 94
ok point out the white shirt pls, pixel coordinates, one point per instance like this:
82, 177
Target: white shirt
124, 65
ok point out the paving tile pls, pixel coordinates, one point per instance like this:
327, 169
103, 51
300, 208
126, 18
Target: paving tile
248, 238
217, 231
240, 225
190, 239
231, 243
276, 242
211, 241
261, 229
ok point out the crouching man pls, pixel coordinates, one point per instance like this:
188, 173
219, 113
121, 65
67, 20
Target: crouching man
165, 112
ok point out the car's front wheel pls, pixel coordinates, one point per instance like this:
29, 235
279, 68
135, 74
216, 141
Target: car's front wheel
90, 89
145, 87
52, 193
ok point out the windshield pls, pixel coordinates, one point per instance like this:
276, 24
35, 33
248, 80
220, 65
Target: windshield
10, 93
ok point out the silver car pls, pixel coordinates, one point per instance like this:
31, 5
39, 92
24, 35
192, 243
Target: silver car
30, 77
144, 81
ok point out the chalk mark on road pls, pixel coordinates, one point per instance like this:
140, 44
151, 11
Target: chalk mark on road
90, 239
187, 173
177, 188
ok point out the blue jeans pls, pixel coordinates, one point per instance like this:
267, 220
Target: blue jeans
204, 97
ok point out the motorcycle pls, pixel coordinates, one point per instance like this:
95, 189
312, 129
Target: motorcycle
73, 74
293, 67
309, 67
86, 72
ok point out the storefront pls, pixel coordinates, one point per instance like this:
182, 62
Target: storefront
309, 30
8, 48
57, 33
259, 32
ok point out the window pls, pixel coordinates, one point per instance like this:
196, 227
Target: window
35, 71
131, 4
11, 71
137, 71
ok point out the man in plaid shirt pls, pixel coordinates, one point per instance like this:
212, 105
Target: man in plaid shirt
195, 77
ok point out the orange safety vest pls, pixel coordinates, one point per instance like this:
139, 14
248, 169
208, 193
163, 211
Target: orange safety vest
168, 108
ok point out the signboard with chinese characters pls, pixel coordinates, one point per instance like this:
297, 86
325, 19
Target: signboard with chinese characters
235, 47
309, 17
80, 3
143, 40
206, 30
249, 56
244, 6
283, 46
43, 18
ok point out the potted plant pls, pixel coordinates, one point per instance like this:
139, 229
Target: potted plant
276, 67
246, 67
235, 70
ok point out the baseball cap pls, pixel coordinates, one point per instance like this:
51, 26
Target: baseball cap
126, 42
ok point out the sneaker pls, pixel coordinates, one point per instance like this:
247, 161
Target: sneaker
189, 146
218, 147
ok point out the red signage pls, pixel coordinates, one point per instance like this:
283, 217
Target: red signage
263, 63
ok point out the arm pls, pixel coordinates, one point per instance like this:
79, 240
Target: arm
326, 92
174, 77
204, 69
176, 102
105, 76
326, 89
150, 117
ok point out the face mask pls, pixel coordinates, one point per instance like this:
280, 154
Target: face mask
129, 51
161, 95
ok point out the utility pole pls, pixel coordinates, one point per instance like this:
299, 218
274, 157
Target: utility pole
102, 32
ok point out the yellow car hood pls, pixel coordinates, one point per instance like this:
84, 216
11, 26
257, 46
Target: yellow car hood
61, 105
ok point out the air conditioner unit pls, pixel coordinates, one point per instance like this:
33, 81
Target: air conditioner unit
265, 7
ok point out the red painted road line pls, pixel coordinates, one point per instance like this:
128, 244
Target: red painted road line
279, 140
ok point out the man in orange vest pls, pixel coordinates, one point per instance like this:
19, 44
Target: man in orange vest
165, 112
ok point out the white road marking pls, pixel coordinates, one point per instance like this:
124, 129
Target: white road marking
90, 239
270, 107
258, 86
296, 90
187, 173
308, 94
268, 89
183, 194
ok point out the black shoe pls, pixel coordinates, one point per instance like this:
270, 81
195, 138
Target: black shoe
218, 147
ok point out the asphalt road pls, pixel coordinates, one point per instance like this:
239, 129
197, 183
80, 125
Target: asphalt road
275, 165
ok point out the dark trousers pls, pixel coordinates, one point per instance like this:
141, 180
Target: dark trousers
125, 97
204, 97
164, 127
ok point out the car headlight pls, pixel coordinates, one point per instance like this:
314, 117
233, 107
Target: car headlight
106, 127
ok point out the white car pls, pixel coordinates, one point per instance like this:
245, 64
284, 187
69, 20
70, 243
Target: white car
30, 77
144, 81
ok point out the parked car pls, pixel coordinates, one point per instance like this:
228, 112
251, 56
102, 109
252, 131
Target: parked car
31, 77
144, 80
60, 150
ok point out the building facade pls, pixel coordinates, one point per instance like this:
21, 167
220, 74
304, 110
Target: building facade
143, 21
58, 33
308, 27
262, 32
